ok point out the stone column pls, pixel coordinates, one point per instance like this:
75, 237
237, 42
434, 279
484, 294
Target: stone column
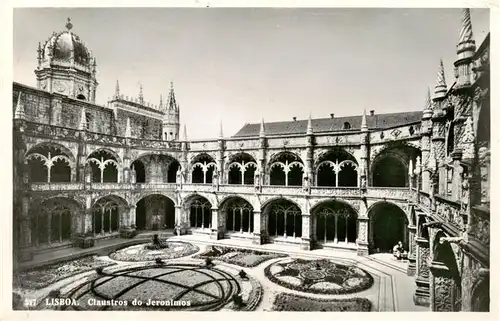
181, 220
25, 254
256, 228
422, 294
412, 255
25, 223
441, 288
362, 239
217, 231
131, 216
306, 232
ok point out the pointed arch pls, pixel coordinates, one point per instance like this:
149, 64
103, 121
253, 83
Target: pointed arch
155, 211
284, 218
286, 168
241, 169
388, 225
50, 162
336, 168
54, 220
334, 221
238, 214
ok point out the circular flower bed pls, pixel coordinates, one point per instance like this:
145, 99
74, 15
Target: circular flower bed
318, 276
292, 302
172, 287
141, 252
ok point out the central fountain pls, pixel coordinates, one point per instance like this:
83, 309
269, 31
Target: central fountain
156, 243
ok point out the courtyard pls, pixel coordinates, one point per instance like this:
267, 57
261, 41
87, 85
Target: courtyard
191, 273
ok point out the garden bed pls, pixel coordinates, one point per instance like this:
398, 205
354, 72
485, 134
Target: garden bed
140, 253
293, 302
44, 276
240, 257
318, 276
163, 287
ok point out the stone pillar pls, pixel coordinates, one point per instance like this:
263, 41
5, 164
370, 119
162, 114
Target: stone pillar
306, 232
25, 223
131, 216
362, 239
412, 255
441, 288
25, 254
256, 227
181, 220
217, 232
422, 294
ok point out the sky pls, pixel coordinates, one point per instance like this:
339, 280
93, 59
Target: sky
238, 65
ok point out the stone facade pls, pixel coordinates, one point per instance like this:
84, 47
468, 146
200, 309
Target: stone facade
84, 172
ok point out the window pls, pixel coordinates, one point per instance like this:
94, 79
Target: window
347, 125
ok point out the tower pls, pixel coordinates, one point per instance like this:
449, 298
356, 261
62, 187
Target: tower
66, 66
171, 118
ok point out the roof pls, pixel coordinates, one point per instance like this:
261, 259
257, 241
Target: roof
321, 125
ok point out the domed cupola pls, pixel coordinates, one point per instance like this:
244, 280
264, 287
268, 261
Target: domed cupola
66, 66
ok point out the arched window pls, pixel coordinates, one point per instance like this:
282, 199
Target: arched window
347, 125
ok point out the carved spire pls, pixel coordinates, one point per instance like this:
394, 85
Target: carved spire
466, 49
440, 88
172, 102
83, 120
160, 107
466, 44
141, 95
117, 89
364, 126
184, 134
128, 129
221, 133
309, 125
428, 100
262, 129
19, 112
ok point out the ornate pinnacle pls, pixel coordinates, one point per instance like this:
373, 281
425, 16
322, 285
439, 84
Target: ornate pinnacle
117, 89
184, 135
440, 88
19, 113
428, 100
466, 28
364, 126
69, 25
141, 96
262, 129
171, 103
221, 134
160, 107
309, 125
